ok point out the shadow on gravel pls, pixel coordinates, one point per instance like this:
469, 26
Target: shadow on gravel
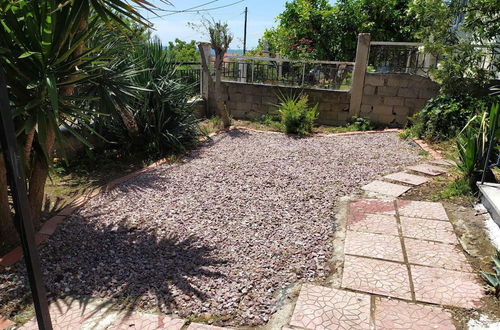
123, 264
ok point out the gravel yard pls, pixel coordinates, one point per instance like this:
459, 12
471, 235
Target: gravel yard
219, 234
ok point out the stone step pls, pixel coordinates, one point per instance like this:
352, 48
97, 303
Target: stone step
407, 178
386, 188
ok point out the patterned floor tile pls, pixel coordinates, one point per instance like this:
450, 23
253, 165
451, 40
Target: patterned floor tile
433, 230
146, 322
386, 188
5, 323
74, 315
436, 255
373, 246
372, 206
376, 276
408, 178
324, 308
428, 169
443, 162
199, 326
427, 210
446, 287
373, 223
393, 314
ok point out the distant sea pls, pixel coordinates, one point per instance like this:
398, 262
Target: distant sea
231, 51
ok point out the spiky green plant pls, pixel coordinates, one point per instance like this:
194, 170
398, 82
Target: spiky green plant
493, 279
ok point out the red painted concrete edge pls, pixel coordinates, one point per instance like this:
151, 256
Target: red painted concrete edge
422, 144
49, 226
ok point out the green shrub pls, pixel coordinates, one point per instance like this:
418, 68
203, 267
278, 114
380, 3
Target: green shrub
296, 116
360, 124
472, 143
493, 279
444, 116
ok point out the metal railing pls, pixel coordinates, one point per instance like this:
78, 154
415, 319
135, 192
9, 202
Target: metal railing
331, 75
190, 74
409, 57
400, 57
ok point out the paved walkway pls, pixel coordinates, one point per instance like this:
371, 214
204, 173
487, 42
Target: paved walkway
403, 269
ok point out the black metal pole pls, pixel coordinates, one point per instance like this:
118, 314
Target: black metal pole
245, 33
490, 147
17, 182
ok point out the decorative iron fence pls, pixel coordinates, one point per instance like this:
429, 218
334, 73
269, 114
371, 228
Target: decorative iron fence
409, 57
290, 73
190, 74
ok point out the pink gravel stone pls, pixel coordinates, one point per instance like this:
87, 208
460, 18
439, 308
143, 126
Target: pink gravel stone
427, 210
386, 188
376, 276
428, 169
373, 223
446, 287
436, 255
324, 308
407, 178
432, 230
373, 246
393, 314
5, 323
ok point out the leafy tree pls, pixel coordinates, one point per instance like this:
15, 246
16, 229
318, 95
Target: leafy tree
182, 51
333, 29
45, 60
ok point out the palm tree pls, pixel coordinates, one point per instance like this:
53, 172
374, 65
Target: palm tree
45, 60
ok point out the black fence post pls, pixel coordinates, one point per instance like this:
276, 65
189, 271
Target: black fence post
17, 182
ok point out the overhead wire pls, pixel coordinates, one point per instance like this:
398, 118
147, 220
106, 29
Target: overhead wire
190, 10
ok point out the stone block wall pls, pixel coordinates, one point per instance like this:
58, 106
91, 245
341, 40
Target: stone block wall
392, 98
252, 101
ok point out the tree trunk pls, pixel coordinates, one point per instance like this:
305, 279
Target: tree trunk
221, 109
129, 121
38, 178
8, 232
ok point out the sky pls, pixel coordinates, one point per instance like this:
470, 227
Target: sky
261, 15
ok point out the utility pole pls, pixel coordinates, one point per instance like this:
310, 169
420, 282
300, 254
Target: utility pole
245, 33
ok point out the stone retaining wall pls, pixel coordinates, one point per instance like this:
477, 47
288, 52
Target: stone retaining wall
392, 98
252, 101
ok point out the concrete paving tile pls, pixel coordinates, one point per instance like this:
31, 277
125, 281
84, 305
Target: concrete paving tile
325, 308
417, 209
386, 188
373, 223
432, 230
407, 178
391, 314
428, 169
443, 162
446, 287
436, 255
144, 321
373, 246
376, 276
372, 206
5, 323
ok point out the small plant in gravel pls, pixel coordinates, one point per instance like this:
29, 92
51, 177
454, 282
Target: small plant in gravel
493, 279
296, 115
360, 124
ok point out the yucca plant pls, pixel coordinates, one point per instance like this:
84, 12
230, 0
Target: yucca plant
472, 143
297, 117
45, 58
493, 279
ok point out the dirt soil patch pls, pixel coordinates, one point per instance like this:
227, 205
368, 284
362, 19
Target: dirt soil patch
219, 236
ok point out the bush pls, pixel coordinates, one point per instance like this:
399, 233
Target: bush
444, 116
360, 124
472, 144
296, 116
